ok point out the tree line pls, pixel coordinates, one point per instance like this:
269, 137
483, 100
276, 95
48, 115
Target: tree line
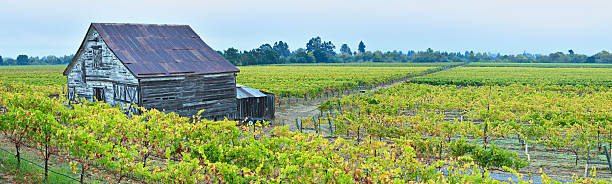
47, 60
320, 51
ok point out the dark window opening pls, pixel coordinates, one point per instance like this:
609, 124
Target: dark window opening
97, 56
99, 94
83, 70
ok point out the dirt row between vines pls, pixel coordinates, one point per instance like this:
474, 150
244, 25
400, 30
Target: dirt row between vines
293, 109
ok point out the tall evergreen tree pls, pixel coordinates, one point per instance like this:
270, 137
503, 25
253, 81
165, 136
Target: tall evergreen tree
232, 55
344, 49
361, 48
328, 47
281, 48
313, 44
322, 51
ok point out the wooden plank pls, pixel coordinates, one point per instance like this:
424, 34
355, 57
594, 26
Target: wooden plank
186, 97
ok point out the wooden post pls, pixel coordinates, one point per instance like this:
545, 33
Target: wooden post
82, 172
319, 120
527, 150
608, 157
297, 125
586, 169
331, 131
314, 123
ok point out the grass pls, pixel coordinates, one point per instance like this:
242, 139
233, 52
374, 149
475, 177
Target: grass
28, 172
31, 173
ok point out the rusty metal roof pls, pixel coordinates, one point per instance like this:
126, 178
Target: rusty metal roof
247, 92
152, 50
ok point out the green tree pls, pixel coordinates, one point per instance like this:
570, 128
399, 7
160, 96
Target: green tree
320, 56
601, 57
301, 56
232, 55
281, 48
51, 60
579, 58
313, 44
328, 47
265, 47
322, 51
1, 61
361, 48
558, 57
269, 56
344, 49
22, 60
472, 57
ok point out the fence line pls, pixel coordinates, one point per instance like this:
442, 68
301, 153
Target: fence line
42, 167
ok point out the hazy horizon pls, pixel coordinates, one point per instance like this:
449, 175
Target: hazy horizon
40, 28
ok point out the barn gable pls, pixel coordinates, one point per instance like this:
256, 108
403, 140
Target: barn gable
95, 66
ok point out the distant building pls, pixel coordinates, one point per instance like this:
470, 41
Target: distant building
167, 67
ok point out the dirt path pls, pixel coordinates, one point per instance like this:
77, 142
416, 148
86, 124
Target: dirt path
288, 112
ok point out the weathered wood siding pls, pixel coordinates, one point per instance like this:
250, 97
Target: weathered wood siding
189, 94
261, 107
96, 66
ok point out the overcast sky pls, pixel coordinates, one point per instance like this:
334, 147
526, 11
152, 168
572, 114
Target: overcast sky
45, 27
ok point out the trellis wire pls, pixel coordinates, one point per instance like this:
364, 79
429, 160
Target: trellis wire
42, 167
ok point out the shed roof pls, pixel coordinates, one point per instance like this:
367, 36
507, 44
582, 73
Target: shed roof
152, 50
247, 92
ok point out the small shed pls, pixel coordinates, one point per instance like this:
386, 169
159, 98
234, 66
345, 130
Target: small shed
166, 67
254, 103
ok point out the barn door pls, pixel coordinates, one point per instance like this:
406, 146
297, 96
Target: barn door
98, 94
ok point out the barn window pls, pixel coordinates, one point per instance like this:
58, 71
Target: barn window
97, 56
98, 94
83, 76
125, 93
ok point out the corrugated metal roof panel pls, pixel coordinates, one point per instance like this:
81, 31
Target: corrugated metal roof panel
247, 92
163, 50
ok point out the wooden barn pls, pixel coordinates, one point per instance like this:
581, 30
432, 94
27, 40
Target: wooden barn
167, 67
253, 103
